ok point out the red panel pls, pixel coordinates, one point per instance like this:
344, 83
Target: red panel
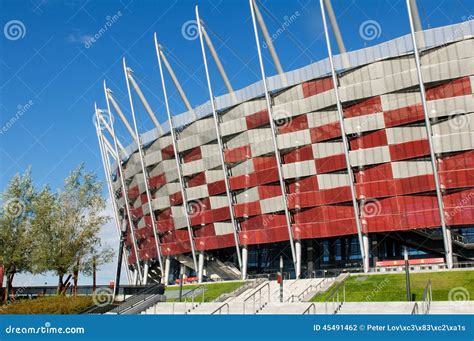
217, 242
258, 119
268, 235
375, 173
301, 154
370, 140
396, 117
147, 253
409, 150
197, 180
330, 163
167, 152
324, 197
157, 180
462, 160
192, 155
175, 248
365, 107
265, 192
405, 221
143, 198
136, 212
264, 162
247, 209
308, 184
317, 86
378, 189
325, 132
415, 184
457, 87
288, 125
133, 193
332, 228
165, 225
263, 221
323, 213
237, 154
205, 231
210, 216
215, 188
176, 199
457, 178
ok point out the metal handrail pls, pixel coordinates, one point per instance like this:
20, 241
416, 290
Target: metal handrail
415, 309
307, 311
307, 290
334, 297
259, 292
192, 298
220, 309
136, 299
427, 298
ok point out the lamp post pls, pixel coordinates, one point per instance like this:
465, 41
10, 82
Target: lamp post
407, 273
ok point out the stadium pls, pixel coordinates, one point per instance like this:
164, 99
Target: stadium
340, 165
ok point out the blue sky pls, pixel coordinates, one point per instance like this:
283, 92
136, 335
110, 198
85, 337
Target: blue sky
53, 75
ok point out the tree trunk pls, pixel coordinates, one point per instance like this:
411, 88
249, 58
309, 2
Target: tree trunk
75, 277
9, 288
60, 284
94, 273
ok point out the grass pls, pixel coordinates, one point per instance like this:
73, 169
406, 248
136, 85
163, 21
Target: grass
48, 305
213, 290
391, 287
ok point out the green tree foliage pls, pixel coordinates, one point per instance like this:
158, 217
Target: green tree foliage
15, 228
66, 227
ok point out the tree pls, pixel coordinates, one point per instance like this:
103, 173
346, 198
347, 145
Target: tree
15, 228
66, 227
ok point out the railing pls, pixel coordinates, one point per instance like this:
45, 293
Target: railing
136, 299
305, 292
427, 298
259, 292
190, 296
334, 297
220, 309
236, 292
424, 306
308, 310
416, 309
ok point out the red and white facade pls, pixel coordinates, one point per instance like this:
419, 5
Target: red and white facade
388, 151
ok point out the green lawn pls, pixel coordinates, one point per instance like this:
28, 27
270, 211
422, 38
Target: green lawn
213, 290
48, 305
385, 288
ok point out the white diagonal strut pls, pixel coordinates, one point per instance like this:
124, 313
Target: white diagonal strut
121, 176
106, 164
355, 205
274, 139
439, 195
175, 80
144, 102
176, 156
144, 171
219, 142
